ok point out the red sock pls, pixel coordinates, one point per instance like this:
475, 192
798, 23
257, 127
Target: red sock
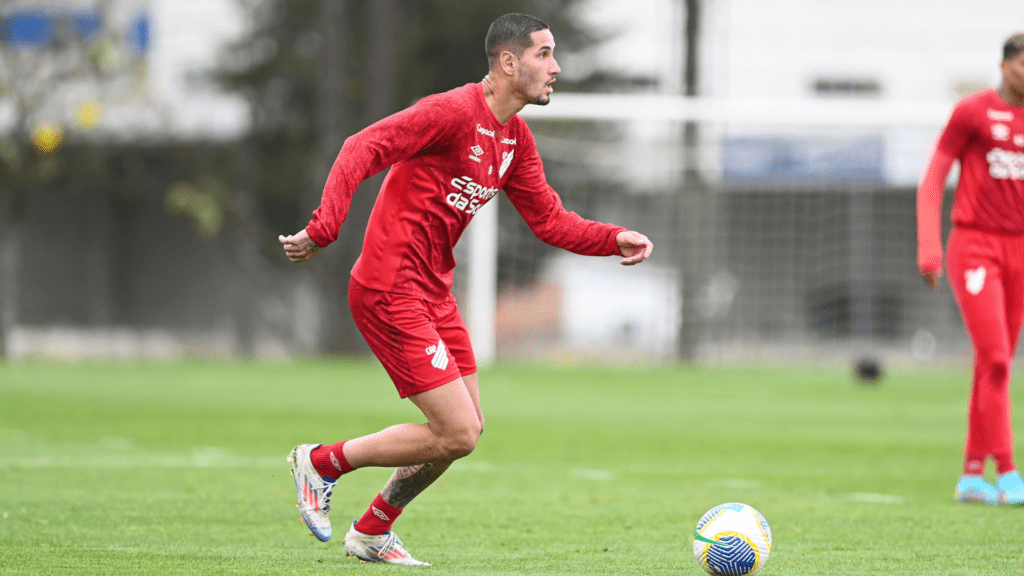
1004, 463
329, 460
378, 518
974, 466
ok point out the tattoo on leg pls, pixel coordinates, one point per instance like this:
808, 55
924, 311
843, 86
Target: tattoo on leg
407, 483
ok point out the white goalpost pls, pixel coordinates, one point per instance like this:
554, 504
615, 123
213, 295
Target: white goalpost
482, 285
774, 240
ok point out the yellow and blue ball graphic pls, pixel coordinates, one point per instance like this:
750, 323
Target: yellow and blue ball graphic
732, 540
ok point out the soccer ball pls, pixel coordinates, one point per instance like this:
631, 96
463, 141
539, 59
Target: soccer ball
732, 540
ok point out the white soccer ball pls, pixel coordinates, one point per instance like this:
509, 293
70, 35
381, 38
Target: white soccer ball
732, 540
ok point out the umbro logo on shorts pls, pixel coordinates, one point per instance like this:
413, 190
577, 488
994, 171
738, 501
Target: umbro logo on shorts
440, 359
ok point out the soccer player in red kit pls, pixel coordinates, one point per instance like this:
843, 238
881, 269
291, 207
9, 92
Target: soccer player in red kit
449, 154
985, 257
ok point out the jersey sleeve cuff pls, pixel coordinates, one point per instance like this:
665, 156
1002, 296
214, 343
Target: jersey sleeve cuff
613, 243
316, 235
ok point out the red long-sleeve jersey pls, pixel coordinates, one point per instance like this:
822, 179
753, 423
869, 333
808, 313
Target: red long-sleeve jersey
987, 136
448, 155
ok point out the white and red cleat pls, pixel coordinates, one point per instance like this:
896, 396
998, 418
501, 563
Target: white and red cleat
386, 547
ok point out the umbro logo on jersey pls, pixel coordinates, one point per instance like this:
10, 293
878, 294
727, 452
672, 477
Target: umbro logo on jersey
440, 358
477, 151
1000, 132
1000, 115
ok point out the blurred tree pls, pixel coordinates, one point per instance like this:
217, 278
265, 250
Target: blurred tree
316, 72
59, 68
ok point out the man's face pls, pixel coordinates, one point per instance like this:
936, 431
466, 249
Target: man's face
537, 69
1013, 74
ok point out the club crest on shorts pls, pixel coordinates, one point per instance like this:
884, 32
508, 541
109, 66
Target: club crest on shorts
440, 355
975, 280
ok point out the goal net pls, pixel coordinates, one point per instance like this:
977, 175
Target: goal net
783, 230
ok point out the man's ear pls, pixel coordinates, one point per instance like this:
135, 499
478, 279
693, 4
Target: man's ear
508, 62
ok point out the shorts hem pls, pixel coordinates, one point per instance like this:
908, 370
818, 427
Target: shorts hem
425, 388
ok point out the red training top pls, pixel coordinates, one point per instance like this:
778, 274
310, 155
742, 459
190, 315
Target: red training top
449, 156
987, 136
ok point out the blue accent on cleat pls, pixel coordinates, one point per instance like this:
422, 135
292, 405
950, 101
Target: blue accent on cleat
314, 492
1011, 489
974, 488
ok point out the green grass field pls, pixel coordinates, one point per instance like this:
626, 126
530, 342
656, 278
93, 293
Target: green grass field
180, 469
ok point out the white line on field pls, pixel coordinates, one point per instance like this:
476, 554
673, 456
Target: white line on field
873, 498
591, 474
214, 457
141, 461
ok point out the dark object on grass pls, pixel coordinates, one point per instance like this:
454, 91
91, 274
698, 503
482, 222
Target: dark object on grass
868, 370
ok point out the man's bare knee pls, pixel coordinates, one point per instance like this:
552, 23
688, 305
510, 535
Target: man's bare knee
460, 443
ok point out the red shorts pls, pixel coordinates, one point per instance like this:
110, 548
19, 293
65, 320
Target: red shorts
422, 345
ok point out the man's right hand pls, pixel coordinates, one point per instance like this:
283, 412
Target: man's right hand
299, 247
929, 263
932, 277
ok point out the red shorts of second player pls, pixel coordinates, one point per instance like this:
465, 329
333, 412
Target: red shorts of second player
421, 344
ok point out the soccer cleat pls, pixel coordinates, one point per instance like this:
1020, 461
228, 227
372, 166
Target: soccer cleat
1011, 489
386, 547
973, 488
314, 492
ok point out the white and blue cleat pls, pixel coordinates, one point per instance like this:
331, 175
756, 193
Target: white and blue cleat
314, 492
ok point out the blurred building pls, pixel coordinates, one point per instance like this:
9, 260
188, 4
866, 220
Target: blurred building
783, 193
781, 198
124, 70
98, 271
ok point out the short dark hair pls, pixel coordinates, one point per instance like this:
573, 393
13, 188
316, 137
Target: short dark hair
511, 32
1014, 44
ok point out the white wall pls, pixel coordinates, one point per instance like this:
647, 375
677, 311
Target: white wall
640, 38
187, 40
917, 49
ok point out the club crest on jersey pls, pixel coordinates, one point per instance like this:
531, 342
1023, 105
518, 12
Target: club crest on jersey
506, 159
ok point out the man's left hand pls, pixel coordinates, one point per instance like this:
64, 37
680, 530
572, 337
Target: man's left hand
299, 247
634, 246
